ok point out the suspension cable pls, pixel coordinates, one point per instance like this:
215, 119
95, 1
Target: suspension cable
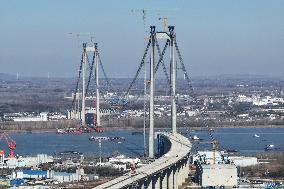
191, 90
78, 80
103, 70
139, 68
161, 54
91, 66
190, 85
184, 69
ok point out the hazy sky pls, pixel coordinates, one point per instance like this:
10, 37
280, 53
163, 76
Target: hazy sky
215, 37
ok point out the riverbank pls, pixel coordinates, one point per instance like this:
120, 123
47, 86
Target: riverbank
114, 124
54, 130
38, 126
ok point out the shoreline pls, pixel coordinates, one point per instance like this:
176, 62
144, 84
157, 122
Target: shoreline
141, 129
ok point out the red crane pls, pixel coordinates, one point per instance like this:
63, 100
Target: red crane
10, 142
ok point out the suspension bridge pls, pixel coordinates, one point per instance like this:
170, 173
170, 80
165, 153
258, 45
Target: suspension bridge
171, 169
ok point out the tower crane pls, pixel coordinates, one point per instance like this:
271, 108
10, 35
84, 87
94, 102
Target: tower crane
144, 14
146, 11
10, 142
214, 148
83, 34
165, 21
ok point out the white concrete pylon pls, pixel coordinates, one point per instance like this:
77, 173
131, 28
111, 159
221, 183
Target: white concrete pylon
98, 116
83, 119
152, 83
171, 178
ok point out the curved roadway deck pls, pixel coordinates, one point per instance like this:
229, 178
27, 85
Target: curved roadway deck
180, 148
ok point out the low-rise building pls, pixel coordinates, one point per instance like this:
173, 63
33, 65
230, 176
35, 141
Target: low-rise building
216, 175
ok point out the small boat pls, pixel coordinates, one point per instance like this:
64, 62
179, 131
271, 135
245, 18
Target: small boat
70, 131
93, 138
271, 147
195, 138
231, 150
256, 136
117, 138
61, 131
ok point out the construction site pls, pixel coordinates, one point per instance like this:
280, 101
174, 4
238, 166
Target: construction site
155, 132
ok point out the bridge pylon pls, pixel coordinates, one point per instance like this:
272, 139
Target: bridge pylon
157, 61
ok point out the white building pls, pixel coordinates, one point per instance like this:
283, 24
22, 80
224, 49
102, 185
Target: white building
123, 159
217, 175
43, 116
243, 161
268, 100
24, 161
243, 98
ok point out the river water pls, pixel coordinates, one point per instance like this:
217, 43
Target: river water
240, 139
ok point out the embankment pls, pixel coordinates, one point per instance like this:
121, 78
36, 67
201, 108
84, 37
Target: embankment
38, 125
165, 122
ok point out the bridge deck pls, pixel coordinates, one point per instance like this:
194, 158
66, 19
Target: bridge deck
180, 147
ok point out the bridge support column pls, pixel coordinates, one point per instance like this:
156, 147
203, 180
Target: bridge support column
164, 180
148, 183
184, 172
171, 177
175, 177
156, 183
141, 184
187, 165
179, 174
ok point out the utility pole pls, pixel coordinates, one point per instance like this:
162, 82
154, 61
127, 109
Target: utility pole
84, 85
97, 87
173, 80
152, 67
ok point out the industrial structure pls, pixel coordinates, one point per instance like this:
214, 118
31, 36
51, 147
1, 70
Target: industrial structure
10, 143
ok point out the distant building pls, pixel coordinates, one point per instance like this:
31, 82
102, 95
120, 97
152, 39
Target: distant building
24, 161
42, 117
49, 174
243, 161
243, 98
268, 100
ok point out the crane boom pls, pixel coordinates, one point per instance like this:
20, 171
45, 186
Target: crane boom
10, 143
